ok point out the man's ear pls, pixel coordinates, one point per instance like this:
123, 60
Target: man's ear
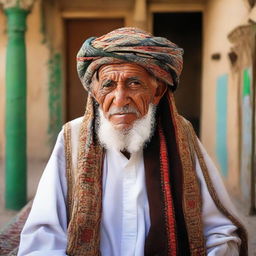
160, 90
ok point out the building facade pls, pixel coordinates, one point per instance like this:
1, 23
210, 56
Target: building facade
216, 90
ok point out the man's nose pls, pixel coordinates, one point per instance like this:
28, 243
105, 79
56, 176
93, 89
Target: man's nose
121, 97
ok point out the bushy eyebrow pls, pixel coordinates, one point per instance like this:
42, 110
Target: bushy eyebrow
133, 78
127, 80
106, 81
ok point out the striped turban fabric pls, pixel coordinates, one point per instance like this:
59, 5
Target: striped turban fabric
159, 56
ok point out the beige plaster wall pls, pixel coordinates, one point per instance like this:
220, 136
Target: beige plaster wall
37, 87
220, 18
37, 81
95, 5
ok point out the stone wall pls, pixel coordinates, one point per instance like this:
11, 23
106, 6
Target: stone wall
220, 91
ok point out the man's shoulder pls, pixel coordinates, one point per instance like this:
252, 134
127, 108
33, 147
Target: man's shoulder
75, 123
72, 128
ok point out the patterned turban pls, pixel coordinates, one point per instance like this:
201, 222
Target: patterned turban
159, 56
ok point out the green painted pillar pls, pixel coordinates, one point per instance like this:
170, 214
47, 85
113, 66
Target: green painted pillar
16, 155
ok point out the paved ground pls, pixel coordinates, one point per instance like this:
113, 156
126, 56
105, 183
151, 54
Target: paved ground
249, 222
35, 170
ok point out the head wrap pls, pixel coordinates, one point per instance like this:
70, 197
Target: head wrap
159, 56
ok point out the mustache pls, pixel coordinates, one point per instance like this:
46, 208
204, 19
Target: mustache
123, 110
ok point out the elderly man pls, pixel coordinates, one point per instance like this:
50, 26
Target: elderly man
130, 177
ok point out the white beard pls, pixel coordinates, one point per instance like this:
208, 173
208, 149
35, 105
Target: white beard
131, 140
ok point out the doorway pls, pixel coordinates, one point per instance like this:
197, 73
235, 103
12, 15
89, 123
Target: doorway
77, 31
185, 29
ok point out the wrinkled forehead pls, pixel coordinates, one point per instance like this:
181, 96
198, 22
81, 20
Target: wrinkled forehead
123, 70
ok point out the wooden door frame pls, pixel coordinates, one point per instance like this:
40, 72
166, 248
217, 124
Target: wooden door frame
97, 15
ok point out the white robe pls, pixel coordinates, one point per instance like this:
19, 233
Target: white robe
125, 217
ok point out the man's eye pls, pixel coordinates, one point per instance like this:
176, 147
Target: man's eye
107, 84
135, 83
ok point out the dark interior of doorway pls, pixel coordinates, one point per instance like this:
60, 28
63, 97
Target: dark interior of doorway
185, 29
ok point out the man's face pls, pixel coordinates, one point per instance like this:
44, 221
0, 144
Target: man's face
124, 92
